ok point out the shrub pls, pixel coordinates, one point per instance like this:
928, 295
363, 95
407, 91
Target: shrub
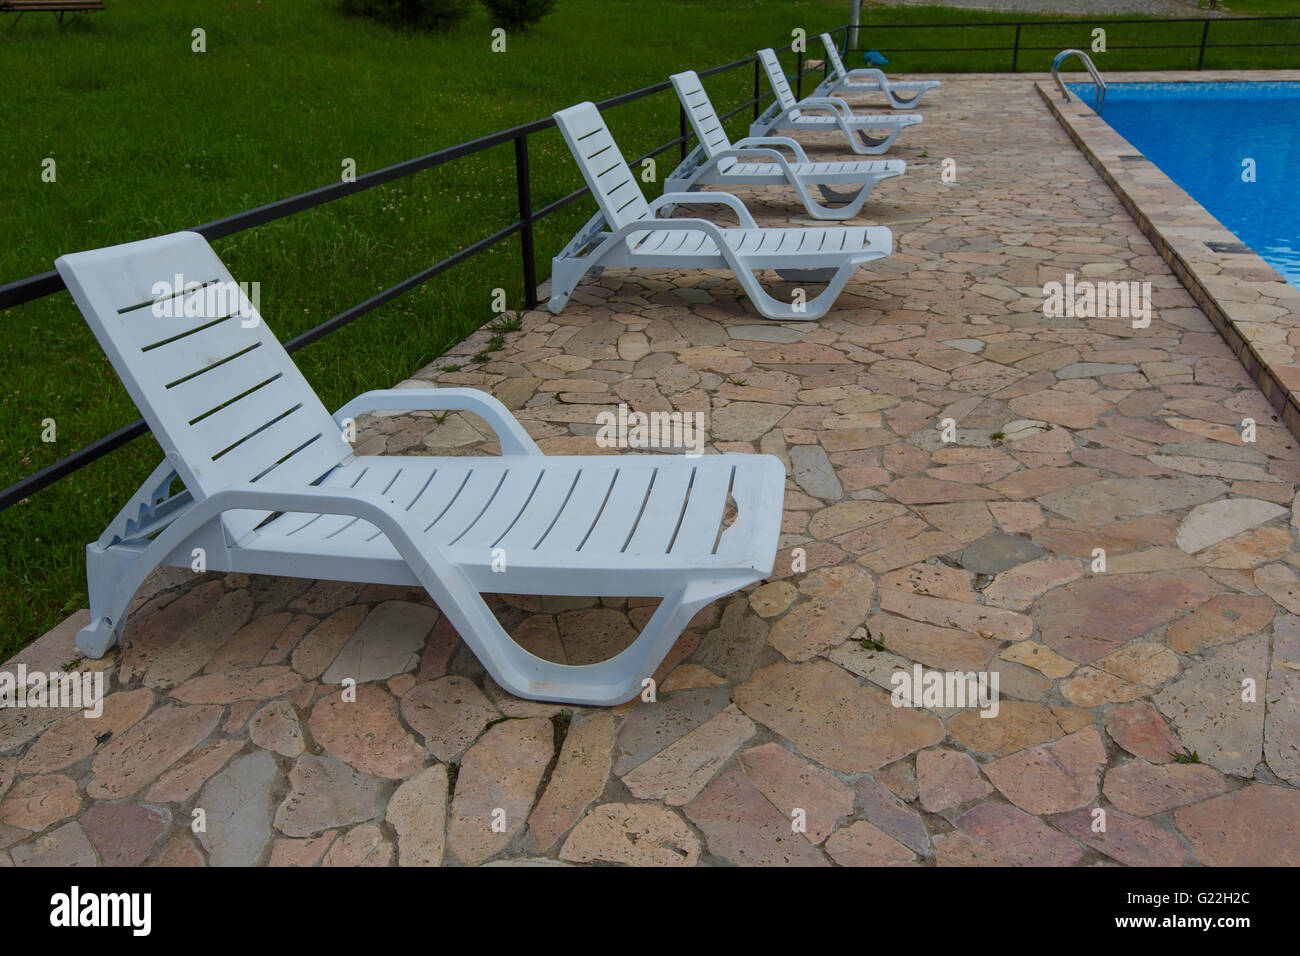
413, 14
518, 14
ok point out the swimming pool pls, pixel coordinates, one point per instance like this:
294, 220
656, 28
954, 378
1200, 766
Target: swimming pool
1201, 134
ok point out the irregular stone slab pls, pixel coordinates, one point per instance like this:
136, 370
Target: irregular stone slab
325, 793
792, 783
363, 845
650, 727
1046, 662
1094, 369
765, 333
840, 519
206, 635
1207, 710
1142, 789
1087, 619
1104, 502
1090, 687
184, 779
1017, 588
1054, 777
317, 650
499, 773
742, 827
1220, 620
1139, 729
275, 727
1216, 521
1282, 723
958, 849
366, 734
577, 781
66, 846
745, 421
885, 810
773, 598
255, 683
841, 597
388, 642
1018, 724
988, 622
822, 710
18, 725
36, 803
947, 779
307, 852
418, 812
861, 844
137, 758
997, 552
238, 806
634, 834
933, 580
1128, 839
814, 473
124, 833
1144, 662
75, 737
1280, 583
449, 713
1255, 826
942, 647
1017, 837
680, 771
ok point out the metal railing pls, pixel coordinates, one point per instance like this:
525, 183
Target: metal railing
1016, 46
47, 283
1099, 85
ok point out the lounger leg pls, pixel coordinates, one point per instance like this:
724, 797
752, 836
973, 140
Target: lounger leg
112, 578
874, 145
813, 308
565, 277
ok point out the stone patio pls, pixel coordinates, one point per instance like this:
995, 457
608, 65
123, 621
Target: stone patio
978, 554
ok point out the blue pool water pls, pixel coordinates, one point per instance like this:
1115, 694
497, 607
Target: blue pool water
1199, 134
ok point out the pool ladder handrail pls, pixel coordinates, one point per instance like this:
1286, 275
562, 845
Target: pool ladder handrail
1099, 85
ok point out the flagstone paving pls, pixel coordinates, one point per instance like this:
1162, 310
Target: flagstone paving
1097, 534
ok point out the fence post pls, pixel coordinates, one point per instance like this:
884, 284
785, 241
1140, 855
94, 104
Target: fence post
798, 78
1200, 57
526, 216
755, 87
681, 126
1015, 50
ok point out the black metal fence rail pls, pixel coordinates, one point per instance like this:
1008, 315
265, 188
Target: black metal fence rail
47, 283
1016, 46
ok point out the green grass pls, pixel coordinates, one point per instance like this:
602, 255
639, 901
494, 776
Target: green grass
149, 137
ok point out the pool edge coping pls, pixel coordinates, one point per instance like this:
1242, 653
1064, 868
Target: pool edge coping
1179, 227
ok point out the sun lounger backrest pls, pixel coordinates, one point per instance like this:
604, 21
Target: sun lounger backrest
776, 76
603, 167
833, 54
704, 118
219, 392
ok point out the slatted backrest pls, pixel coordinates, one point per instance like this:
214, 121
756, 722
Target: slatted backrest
704, 118
602, 165
218, 390
833, 54
776, 76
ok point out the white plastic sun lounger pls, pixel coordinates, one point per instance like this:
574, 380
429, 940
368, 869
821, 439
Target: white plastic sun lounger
718, 161
625, 233
829, 113
869, 80
272, 487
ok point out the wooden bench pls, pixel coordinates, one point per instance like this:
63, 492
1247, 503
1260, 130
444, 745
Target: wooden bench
61, 7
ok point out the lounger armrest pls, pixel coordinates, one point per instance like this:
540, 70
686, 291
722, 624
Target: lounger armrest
750, 141
878, 75
694, 199
514, 439
833, 103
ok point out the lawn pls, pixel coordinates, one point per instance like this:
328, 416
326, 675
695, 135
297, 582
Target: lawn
149, 137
